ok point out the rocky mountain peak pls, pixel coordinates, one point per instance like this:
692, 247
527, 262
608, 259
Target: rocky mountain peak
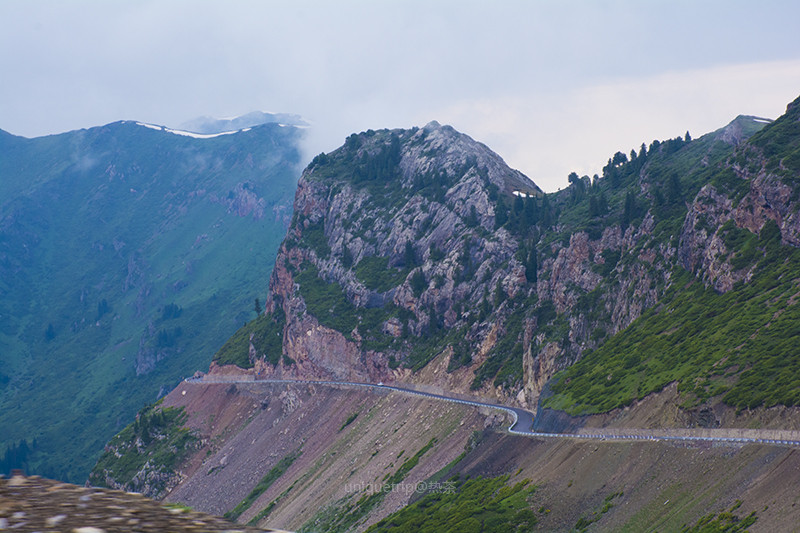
740, 129
394, 240
455, 147
422, 151
793, 108
662, 294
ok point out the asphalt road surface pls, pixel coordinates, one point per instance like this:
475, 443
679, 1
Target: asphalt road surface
522, 420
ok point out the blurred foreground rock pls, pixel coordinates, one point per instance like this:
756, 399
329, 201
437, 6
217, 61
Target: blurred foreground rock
38, 504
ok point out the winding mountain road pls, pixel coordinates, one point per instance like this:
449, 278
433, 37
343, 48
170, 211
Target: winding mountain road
522, 420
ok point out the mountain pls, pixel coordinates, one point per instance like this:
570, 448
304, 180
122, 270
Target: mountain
725, 324
393, 240
659, 296
408, 244
210, 125
128, 254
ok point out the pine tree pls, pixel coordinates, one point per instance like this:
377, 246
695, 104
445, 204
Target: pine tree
546, 216
531, 266
500, 213
630, 210
347, 257
418, 284
472, 219
499, 294
433, 321
674, 193
465, 260
531, 212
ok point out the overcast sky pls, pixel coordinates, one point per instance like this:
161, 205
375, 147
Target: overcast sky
552, 86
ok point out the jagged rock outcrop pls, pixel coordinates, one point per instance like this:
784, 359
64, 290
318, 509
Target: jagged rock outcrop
427, 210
752, 196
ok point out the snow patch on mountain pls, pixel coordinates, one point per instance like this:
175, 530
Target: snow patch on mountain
189, 133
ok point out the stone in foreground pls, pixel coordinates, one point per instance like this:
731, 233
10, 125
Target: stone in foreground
37, 504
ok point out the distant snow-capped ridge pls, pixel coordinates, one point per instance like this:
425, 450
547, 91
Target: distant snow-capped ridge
188, 133
215, 126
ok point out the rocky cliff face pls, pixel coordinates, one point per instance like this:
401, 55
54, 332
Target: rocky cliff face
697, 205
597, 293
411, 245
402, 225
414, 246
760, 197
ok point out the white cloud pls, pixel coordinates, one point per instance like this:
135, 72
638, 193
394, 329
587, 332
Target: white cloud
552, 86
578, 130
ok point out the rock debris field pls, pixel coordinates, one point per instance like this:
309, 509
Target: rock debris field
38, 504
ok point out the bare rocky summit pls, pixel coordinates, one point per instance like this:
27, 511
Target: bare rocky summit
418, 205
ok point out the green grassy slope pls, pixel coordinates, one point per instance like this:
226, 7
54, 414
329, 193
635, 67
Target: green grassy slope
712, 344
122, 247
740, 347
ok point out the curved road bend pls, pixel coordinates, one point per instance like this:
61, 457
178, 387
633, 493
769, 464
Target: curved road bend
522, 420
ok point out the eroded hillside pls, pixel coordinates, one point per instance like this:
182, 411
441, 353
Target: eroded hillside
313, 458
